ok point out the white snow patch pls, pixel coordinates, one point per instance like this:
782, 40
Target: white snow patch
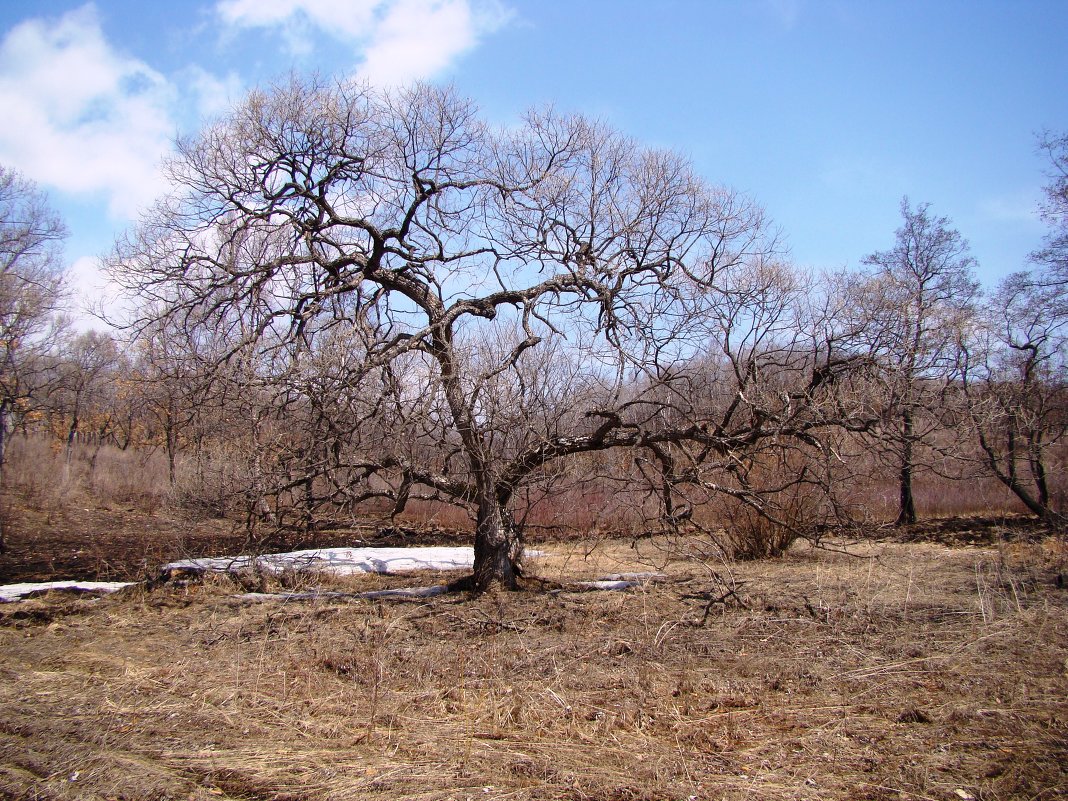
606, 585
339, 561
616, 582
13, 592
336, 561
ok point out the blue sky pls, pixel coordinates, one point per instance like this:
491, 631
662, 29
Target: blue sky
826, 113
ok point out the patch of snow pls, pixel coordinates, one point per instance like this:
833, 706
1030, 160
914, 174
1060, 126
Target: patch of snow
606, 585
339, 561
13, 592
617, 581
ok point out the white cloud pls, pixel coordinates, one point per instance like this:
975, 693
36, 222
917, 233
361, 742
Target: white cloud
417, 39
395, 41
211, 94
344, 19
92, 293
81, 117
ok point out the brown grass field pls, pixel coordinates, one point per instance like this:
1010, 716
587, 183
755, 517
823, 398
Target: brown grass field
899, 670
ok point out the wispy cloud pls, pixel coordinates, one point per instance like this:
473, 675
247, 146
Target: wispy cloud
81, 117
393, 41
1011, 207
785, 13
860, 174
210, 94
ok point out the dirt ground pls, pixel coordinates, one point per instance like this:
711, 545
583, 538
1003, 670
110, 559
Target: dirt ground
878, 670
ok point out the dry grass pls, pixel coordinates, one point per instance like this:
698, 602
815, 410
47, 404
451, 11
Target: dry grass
50, 476
912, 673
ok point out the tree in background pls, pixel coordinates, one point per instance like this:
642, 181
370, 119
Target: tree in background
1013, 369
31, 286
166, 386
1052, 258
1013, 374
86, 369
786, 394
915, 299
31, 289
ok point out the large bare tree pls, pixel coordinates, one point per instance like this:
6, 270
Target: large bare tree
449, 309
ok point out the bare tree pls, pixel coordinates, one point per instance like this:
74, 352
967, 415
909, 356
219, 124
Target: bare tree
31, 284
1013, 367
85, 371
1052, 257
1013, 374
413, 286
917, 298
165, 375
31, 290
779, 387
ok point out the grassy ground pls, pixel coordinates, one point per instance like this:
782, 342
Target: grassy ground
902, 671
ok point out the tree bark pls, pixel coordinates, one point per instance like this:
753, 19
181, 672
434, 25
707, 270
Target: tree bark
907, 503
6, 428
497, 547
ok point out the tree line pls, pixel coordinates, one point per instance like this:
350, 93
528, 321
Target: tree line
361, 301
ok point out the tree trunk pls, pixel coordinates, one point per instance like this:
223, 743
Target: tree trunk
907, 505
6, 428
1009, 476
1038, 471
170, 432
497, 548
